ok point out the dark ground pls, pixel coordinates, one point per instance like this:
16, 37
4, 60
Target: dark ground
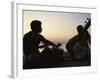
66, 62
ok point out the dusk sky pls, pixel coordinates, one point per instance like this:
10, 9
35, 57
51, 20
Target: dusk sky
57, 26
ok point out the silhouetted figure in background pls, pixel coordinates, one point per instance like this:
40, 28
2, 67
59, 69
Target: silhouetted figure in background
31, 41
78, 46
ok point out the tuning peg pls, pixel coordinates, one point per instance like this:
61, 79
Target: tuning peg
85, 21
88, 19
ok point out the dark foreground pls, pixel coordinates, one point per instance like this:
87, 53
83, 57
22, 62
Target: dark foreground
64, 62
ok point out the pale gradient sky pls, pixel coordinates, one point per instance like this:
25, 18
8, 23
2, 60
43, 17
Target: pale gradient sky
57, 26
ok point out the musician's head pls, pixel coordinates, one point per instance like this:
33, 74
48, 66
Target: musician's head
80, 29
36, 26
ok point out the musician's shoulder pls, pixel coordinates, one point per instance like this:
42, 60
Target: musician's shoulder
74, 37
